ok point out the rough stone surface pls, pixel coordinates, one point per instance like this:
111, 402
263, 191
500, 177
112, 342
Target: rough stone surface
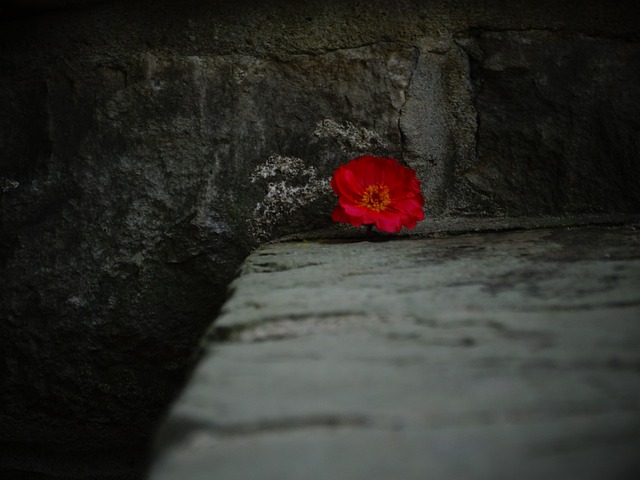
478, 356
539, 96
147, 146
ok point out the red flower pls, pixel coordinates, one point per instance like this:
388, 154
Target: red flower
378, 191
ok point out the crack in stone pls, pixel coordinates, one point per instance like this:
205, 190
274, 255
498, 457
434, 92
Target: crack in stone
282, 327
356, 47
479, 30
401, 111
557, 411
286, 424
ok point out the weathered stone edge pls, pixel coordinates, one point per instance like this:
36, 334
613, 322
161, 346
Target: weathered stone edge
436, 227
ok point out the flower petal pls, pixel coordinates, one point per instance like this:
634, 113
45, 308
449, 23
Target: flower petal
340, 215
345, 184
352, 210
410, 206
409, 222
369, 169
388, 222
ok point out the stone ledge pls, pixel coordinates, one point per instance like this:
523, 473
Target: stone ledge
494, 355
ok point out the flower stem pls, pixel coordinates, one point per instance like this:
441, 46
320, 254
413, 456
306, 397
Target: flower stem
369, 229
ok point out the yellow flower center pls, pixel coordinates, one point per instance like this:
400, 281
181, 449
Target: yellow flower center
376, 198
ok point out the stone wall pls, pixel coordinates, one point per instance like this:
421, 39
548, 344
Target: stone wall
147, 147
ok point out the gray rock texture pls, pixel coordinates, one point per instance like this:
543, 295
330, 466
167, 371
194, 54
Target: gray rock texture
478, 356
146, 147
537, 95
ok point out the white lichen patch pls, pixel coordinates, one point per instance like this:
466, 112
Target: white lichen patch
292, 185
7, 184
275, 165
350, 138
